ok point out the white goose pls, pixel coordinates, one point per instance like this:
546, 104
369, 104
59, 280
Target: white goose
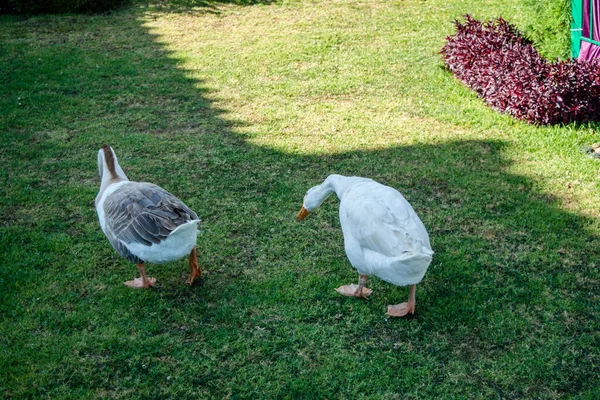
383, 236
143, 222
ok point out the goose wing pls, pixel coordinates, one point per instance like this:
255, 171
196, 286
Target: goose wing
381, 220
144, 213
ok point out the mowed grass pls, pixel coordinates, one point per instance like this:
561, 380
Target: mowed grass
238, 110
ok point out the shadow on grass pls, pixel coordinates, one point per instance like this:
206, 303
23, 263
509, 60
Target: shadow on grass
509, 304
197, 7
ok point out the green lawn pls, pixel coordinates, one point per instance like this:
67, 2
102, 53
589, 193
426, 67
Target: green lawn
238, 110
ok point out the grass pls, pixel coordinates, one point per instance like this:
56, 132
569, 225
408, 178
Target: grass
238, 110
549, 27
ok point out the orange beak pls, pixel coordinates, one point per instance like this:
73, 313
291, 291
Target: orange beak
302, 214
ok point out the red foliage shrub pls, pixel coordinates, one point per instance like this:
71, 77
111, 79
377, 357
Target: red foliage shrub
503, 67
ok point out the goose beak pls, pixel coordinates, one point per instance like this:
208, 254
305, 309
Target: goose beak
302, 214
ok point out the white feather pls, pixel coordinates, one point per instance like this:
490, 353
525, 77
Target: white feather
179, 244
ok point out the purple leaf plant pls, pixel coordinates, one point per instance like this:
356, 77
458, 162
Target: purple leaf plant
507, 72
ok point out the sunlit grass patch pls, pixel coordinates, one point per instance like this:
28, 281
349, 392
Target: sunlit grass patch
238, 110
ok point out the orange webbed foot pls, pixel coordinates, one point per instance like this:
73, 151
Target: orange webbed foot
401, 310
138, 283
352, 291
193, 275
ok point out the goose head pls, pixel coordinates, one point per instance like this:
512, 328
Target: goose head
314, 197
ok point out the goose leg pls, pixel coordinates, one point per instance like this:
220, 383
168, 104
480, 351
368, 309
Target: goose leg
400, 310
359, 291
144, 281
195, 271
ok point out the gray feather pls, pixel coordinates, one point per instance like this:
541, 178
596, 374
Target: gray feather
143, 213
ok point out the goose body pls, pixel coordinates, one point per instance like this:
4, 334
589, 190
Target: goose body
142, 221
383, 236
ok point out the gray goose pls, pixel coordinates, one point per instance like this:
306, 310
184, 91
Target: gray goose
143, 222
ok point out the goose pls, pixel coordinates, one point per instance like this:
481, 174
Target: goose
143, 222
383, 236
